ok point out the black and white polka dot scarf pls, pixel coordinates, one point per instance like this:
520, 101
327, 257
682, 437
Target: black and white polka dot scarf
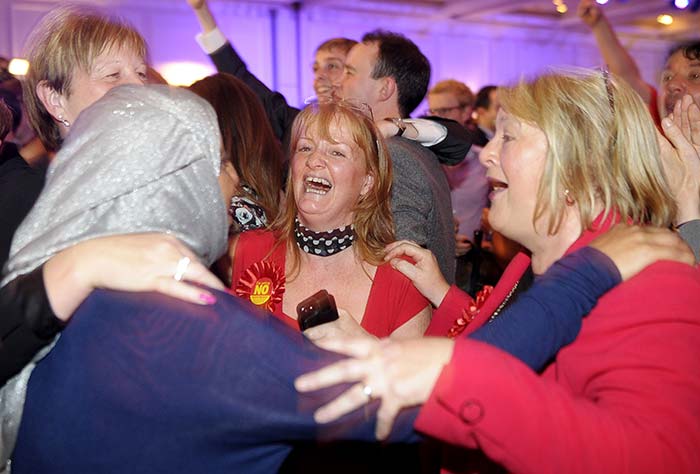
326, 243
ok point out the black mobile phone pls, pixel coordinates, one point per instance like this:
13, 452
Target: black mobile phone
317, 309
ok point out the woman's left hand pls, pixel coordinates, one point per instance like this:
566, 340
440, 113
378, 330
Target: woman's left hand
345, 325
400, 372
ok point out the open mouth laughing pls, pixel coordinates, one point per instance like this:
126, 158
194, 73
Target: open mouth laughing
496, 186
315, 185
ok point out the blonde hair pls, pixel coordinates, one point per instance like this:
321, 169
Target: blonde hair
372, 218
602, 147
460, 90
341, 44
69, 38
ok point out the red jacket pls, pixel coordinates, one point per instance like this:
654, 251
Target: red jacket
623, 398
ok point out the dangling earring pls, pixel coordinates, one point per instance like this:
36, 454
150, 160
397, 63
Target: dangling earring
569, 200
65, 122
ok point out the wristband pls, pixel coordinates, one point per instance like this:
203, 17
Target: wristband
400, 124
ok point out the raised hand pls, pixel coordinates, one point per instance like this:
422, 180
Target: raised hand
203, 13
589, 12
196, 4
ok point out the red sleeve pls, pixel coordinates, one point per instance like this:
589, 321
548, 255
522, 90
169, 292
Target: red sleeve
394, 302
636, 408
449, 310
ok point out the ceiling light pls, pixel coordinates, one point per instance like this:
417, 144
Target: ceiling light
664, 19
18, 67
601, 2
184, 73
562, 8
681, 3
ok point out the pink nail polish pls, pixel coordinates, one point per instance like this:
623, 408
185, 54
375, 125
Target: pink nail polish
207, 298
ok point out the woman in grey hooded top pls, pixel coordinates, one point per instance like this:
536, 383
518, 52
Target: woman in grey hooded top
151, 156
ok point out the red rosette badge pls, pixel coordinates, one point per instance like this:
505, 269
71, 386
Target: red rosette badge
262, 284
470, 313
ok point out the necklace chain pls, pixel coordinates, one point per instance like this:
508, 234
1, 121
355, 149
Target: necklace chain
504, 302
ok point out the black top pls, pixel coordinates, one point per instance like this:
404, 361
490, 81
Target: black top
20, 185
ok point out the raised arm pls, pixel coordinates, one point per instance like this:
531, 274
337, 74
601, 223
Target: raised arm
455, 145
449, 140
226, 59
614, 54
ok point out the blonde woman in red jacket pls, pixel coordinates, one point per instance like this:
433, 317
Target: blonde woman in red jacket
573, 154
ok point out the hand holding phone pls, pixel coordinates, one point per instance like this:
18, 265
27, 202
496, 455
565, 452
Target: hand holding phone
318, 308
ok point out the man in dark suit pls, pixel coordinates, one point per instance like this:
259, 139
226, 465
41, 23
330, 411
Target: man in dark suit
389, 73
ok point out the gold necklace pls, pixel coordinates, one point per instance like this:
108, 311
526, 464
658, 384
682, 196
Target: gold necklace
504, 302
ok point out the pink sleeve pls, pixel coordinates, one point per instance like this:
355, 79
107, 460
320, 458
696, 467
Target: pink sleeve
638, 409
450, 309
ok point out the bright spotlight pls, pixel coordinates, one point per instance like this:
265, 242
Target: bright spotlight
184, 73
664, 19
18, 67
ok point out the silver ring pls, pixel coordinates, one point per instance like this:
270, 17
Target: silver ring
181, 268
367, 390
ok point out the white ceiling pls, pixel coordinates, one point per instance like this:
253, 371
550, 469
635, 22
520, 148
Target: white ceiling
629, 17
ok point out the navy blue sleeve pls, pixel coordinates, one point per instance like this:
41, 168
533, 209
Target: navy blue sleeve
550, 312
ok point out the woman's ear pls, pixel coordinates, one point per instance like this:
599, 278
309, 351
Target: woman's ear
52, 100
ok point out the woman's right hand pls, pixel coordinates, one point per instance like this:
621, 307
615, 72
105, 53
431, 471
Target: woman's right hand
632, 248
204, 15
136, 262
196, 4
589, 12
425, 273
